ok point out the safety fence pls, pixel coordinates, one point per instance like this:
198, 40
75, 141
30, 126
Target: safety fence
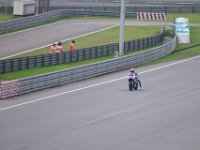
57, 78
160, 9
15, 64
116, 8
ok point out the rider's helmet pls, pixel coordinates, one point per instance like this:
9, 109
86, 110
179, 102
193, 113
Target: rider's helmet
59, 43
132, 70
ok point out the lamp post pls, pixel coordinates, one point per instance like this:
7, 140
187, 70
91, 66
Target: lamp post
37, 7
122, 24
46, 6
6, 7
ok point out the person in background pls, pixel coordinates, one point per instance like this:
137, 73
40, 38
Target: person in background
53, 48
72, 46
59, 47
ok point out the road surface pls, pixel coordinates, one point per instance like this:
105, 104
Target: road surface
163, 115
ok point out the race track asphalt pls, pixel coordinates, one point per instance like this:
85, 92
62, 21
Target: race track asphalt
163, 115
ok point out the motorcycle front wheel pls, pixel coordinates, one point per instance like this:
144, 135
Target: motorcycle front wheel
130, 86
135, 85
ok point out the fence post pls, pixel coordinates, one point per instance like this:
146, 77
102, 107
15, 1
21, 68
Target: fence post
70, 57
64, 57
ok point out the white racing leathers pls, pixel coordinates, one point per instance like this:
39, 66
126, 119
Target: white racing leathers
132, 76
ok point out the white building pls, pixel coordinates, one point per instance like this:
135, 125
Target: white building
24, 7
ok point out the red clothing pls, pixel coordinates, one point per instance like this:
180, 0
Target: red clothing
71, 47
59, 48
52, 49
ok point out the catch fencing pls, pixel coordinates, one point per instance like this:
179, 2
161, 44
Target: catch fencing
114, 8
40, 82
131, 9
15, 64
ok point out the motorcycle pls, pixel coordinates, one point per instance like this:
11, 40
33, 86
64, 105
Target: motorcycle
134, 82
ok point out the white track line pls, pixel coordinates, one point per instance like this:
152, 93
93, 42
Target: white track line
94, 85
62, 41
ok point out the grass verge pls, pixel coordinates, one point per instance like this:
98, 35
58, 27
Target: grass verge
190, 52
6, 17
183, 50
193, 18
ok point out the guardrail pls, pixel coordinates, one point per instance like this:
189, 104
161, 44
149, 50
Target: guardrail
164, 9
161, 9
30, 84
15, 64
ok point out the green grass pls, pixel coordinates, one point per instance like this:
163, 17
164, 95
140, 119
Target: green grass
6, 17
181, 54
194, 38
177, 55
193, 18
106, 37
43, 70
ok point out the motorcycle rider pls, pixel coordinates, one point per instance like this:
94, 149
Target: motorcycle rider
132, 75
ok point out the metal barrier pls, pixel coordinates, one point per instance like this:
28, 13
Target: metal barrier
15, 64
114, 8
39, 82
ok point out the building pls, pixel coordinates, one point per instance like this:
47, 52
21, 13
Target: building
24, 7
43, 6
